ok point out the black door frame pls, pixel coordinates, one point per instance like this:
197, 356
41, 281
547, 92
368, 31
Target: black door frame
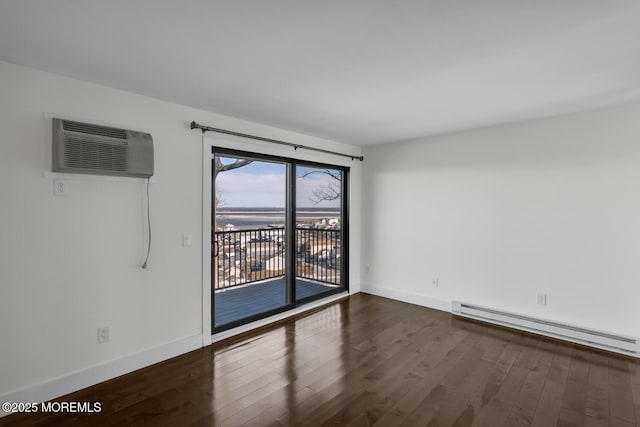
290, 227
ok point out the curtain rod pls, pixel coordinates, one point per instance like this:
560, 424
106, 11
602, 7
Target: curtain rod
204, 129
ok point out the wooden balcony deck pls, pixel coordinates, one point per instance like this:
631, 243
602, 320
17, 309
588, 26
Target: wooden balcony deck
237, 303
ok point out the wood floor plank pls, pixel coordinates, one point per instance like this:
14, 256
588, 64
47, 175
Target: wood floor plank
621, 392
427, 407
338, 408
597, 407
529, 396
635, 389
277, 409
485, 409
431, 373
574, 401
370, 361
550, 402
493, 413
465, 403
391, 383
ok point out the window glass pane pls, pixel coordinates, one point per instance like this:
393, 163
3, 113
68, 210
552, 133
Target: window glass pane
249, 238
318, 230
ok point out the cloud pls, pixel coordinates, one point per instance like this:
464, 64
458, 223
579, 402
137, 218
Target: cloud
237, 189
247, 190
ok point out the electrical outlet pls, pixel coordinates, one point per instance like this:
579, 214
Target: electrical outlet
541, 298
435, 282
60, 187
103, 335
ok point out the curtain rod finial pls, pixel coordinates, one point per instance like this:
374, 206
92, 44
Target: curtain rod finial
194, 125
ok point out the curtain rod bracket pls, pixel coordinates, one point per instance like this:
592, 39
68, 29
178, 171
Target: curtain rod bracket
204, 129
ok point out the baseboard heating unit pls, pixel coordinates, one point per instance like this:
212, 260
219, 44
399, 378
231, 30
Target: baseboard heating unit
599, 339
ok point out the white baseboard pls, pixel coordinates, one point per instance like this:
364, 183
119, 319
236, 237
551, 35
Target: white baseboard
410, 297
78, 380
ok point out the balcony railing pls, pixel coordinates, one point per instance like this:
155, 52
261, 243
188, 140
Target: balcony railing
246, 256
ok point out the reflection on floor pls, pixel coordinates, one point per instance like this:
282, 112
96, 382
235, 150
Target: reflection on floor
241, 302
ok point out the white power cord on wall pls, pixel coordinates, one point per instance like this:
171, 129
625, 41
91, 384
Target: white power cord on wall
144, 265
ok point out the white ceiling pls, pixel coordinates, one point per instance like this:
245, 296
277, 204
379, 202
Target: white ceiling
358, 71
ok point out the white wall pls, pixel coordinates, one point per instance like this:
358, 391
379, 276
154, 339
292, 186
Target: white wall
69, 265
501, 213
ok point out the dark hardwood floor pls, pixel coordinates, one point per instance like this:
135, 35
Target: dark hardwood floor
371, 361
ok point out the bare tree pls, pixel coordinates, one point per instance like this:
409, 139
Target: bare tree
238, 163
220, 167
331, 190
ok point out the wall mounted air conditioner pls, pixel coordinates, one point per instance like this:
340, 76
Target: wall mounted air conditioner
86, 148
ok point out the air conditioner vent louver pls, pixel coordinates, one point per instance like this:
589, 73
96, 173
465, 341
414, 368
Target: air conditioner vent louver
85, 148
94, 129
81, 153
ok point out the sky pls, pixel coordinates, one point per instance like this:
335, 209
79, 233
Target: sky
262, 184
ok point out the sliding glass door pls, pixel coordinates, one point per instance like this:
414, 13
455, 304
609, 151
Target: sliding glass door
318, 230
278, 235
